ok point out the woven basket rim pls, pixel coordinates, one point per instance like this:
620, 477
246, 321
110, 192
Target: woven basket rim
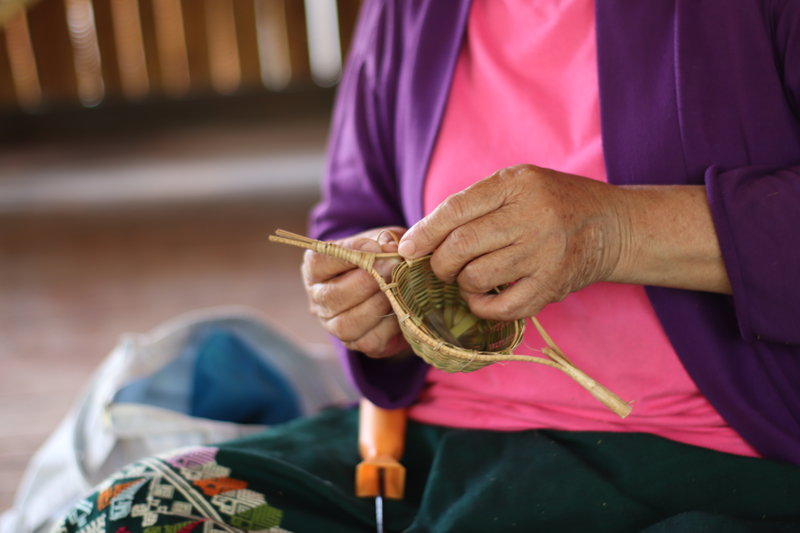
554, 357
406, 320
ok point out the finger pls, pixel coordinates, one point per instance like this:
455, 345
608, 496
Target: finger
385, 266
384, 340
497, 268
318, 267
523, 299
355, 322
389, 238
424, 236
467, 242
335, 296
365, 244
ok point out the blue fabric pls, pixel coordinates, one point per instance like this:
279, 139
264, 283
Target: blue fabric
231, 382
169, 388
221, 377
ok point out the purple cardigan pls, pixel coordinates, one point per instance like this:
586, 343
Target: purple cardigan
690, 93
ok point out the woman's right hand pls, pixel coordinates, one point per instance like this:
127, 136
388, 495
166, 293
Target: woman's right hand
347, 300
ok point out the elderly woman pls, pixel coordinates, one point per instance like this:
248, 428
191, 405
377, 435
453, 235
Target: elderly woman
645, 209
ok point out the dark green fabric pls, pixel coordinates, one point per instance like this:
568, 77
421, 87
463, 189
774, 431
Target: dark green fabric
465, 480
550, 481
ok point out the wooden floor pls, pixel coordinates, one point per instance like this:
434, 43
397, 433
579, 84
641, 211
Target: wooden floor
72, 282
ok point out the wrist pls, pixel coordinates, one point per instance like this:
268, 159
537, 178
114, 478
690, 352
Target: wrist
667, 239
621, 259
614, 236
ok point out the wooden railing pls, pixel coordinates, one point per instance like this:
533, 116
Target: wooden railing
87, 52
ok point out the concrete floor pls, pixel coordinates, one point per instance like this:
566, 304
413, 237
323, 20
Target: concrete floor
70, 284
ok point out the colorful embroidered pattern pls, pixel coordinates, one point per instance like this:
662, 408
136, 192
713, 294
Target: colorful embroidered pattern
185, 493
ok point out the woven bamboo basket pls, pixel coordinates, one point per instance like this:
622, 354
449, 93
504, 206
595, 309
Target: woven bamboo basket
440, 328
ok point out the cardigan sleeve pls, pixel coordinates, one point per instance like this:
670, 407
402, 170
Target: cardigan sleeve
360, 189
360, 186
756, 212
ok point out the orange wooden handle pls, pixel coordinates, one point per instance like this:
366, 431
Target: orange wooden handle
381, 440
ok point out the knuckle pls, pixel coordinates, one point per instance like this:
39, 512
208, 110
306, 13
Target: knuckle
370, 344
342, 329
382, 305
439, 266
423, 234
316, 310
525, 169
456, 205
313, 266
446, 266
364, 244
462, 239
311, 260
386, 267
334, 327
351, 346
514, 172
473, 279
323, 295
507, 315
508, 310
306, 268
504, 313
393, 330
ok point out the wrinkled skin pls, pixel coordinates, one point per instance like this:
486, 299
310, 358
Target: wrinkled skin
546, 233
347, 300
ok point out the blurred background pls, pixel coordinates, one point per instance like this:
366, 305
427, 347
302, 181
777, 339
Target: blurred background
147, 149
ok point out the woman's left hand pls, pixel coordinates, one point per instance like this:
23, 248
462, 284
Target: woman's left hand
547, 232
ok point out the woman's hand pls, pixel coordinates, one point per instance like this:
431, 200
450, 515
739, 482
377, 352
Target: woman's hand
347, 300
551, 234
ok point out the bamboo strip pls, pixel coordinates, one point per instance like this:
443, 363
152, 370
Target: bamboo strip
435, 342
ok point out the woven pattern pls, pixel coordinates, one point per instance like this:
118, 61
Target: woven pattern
447, 334
440, 328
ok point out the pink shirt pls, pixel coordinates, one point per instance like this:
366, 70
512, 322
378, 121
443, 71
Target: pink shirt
525, 91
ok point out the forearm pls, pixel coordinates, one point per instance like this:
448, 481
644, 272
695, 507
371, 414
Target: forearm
669, 239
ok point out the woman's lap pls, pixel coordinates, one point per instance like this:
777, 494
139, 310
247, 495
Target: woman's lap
299, 477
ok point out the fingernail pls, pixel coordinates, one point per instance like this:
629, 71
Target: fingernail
407, 248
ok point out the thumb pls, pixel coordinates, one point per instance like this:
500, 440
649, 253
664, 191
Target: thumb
457, 210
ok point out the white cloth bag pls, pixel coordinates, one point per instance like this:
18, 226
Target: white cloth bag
98, 436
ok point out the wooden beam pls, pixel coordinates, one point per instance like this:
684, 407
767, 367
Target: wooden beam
107, 45
248, 43
223, 46
9, 8
194, 19
85, 51
53, 51
8, 96
172, 52
23, 73
348, 14
129, 44
273, 44
298, 41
